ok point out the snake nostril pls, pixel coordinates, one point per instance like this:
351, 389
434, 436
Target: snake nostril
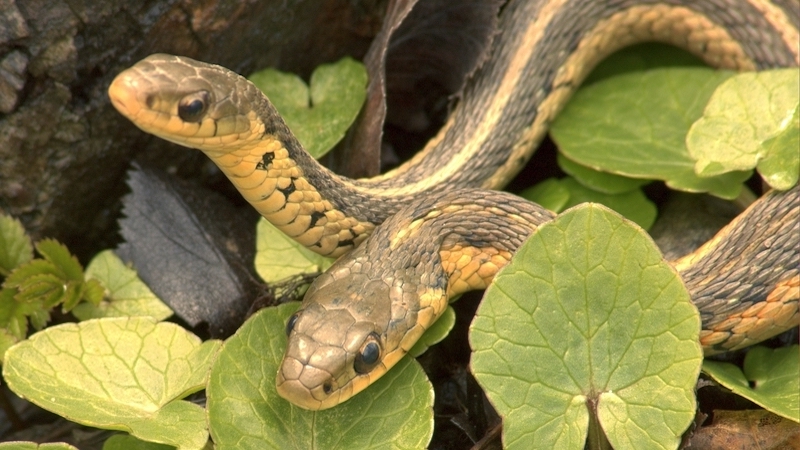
327, 388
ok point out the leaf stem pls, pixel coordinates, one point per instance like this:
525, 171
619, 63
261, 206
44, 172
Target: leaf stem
596, 438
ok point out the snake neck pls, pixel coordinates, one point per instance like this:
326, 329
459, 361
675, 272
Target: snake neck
302, 198
433, 250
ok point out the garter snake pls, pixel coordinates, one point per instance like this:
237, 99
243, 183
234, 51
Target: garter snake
360, 317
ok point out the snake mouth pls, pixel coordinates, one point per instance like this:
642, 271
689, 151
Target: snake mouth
123, 95
307, 387
129, 94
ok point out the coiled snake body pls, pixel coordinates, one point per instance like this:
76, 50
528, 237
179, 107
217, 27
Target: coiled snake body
450, 233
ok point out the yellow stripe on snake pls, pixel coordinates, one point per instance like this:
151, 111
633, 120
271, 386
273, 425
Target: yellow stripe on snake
451, 233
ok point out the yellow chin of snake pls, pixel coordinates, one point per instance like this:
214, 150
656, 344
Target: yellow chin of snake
221, 126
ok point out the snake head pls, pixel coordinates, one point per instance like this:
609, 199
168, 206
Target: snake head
335, 340
185, 101
351, 328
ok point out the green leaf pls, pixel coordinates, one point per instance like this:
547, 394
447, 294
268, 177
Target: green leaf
15, 245
550, 194
123, 374
20, 445
278, 256
52, 281
588, 322
641, 57
49, 290
46, 288
245, 411
780, 166
31, 269
634, 205
596, 180
39, 317
746, 111
433, 335
127, 442
14, 314
635, 124
93, 292
770, 378
320, 115
72, 295
6, 341
127, 294
55, 252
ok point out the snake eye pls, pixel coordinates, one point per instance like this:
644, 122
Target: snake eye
192, 107
290, 323
369, 354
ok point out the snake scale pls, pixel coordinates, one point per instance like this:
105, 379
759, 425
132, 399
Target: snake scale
452, 233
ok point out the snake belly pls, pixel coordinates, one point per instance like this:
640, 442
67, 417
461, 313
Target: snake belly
542, 52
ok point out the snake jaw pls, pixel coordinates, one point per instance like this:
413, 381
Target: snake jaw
291, 385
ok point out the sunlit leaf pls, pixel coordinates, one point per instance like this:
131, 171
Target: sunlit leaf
550, 194
632, 204
278, 256
770, 378
635, 125
588, 324
125, 374
127, 442
127, 294
318, 115
742, 119
20, 445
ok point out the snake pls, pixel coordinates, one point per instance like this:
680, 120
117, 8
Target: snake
411, 239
